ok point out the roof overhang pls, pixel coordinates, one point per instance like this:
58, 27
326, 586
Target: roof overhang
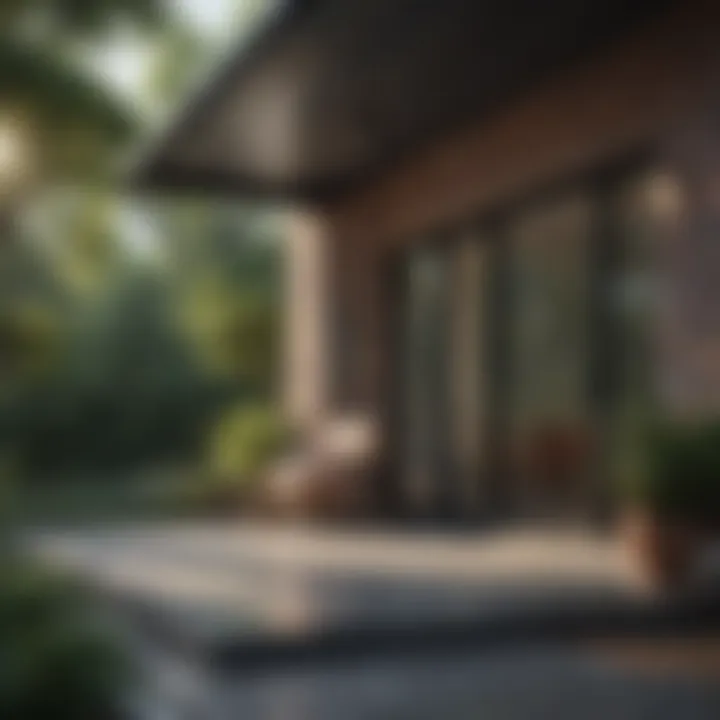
332, 92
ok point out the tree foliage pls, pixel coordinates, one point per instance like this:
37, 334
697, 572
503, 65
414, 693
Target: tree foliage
70, 110
54, 660
133, 370
113, 358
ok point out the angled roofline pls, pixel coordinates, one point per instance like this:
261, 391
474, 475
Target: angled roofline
151, 170
161, 169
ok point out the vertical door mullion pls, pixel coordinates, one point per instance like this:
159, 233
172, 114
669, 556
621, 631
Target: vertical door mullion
498, 353
439, 390
390, 485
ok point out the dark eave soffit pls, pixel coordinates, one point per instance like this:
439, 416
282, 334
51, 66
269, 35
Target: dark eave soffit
331, 93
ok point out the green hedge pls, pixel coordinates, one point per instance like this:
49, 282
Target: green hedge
55, 659
681, 477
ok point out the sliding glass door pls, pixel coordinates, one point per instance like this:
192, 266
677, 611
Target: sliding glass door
443, 373
518, 340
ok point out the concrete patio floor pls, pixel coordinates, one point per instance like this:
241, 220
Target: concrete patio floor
291, 579
215, 581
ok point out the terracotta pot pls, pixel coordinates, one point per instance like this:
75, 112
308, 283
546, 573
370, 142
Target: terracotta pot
316, 490
556, 455
663, 550
336, 494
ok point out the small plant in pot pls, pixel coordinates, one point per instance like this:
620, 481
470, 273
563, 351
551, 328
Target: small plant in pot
672, 504
242, 445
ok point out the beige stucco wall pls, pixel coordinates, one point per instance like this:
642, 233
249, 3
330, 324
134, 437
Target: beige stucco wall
650, 91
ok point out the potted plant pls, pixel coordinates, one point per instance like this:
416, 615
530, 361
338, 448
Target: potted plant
671, 504
242, 446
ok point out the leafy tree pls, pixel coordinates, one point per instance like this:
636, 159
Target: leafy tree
68, 110
125, 360
56, 120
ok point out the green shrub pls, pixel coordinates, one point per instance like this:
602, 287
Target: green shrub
681, 477
242, 444
55, 662
7, 502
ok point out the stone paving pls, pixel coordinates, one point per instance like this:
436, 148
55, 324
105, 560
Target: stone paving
295, 578
548, 682
538, 683
244, 578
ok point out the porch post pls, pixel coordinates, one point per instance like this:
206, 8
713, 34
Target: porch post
307, 322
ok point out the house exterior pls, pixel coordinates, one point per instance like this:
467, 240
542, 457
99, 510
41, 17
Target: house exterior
503, 243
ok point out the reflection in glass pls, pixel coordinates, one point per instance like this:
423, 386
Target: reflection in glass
424, 351
551, 431
467, 396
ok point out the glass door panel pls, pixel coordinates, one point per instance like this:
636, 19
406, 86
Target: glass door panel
467, 399
632, 301
424, 447
551, 430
